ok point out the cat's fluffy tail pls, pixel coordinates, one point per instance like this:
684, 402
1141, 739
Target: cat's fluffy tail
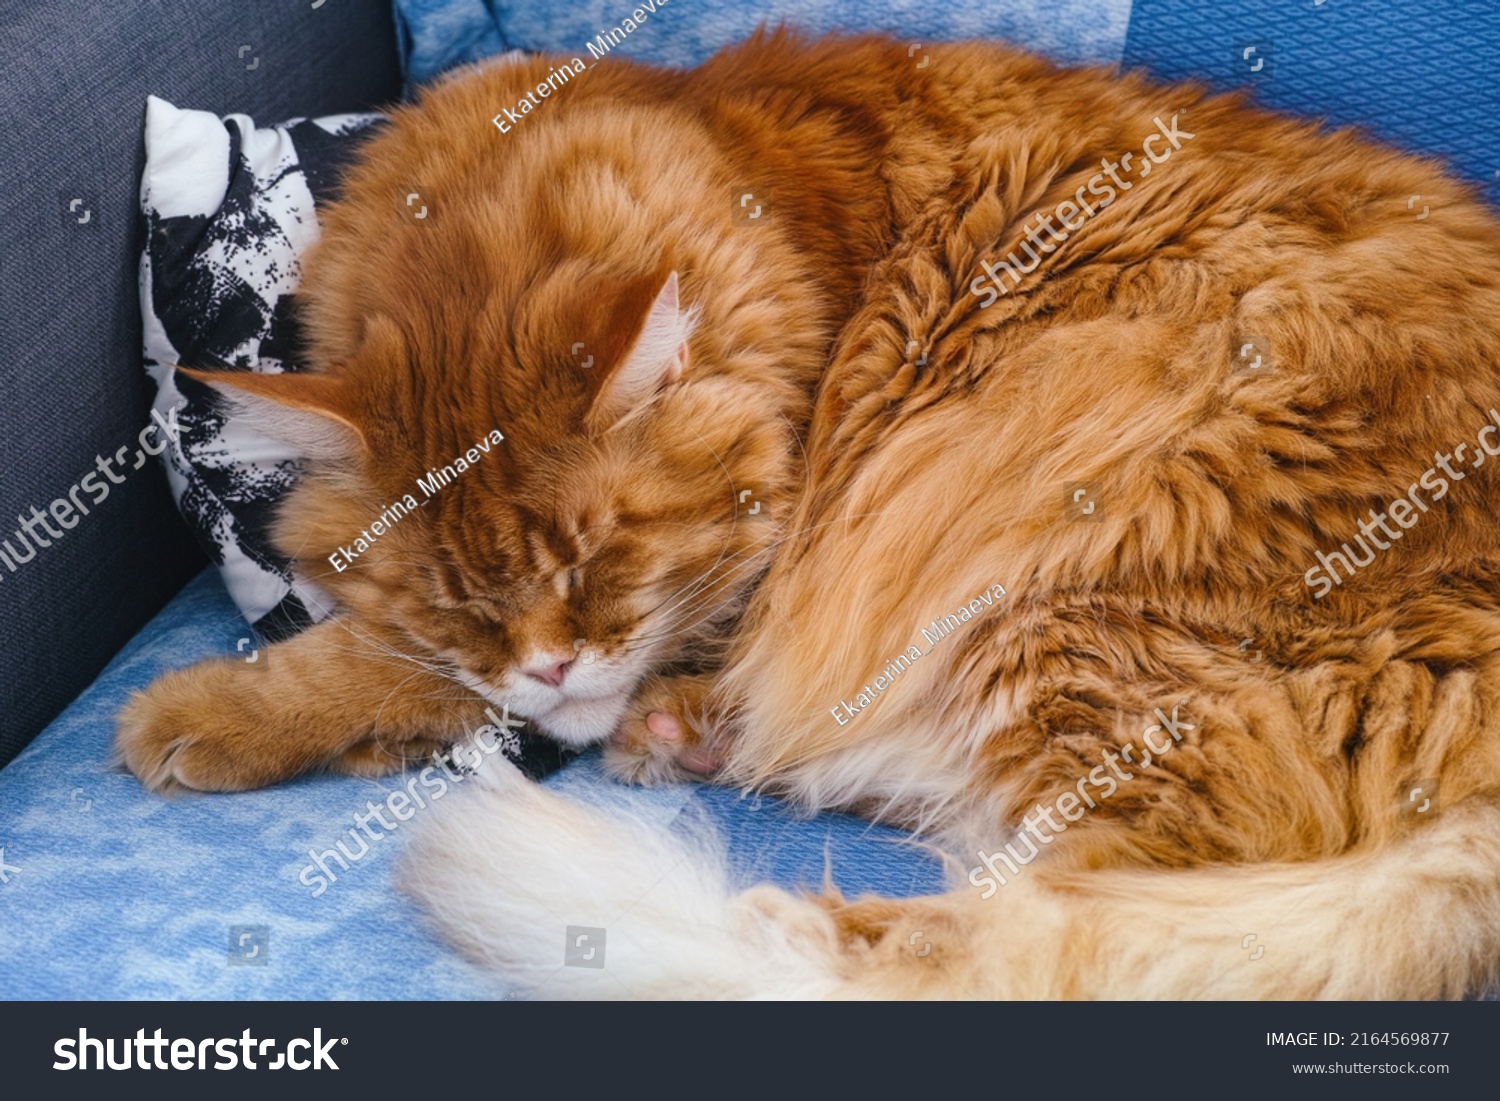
515, 875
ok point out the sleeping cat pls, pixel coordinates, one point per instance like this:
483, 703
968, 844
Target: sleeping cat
1086, 473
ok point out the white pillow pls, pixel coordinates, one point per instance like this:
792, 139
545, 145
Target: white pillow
229, 209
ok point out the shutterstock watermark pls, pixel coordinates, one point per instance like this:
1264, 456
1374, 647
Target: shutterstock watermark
1073, 807
68, 509
932, 634
429, 484
507, 120
403, 803
607, 38
1406, 511
1073, 213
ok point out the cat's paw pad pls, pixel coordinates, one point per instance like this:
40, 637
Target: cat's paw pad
668, 733
657, 748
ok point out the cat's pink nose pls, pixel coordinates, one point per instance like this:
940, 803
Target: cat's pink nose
549, 672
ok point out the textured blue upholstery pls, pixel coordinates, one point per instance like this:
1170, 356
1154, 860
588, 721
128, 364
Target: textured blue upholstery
438, 34
1423, 77
124, 894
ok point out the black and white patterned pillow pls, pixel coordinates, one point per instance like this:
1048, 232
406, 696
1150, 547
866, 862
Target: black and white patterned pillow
229, 209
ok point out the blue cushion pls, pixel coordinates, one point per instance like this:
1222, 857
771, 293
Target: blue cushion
1426, 79
111, 892
437, 34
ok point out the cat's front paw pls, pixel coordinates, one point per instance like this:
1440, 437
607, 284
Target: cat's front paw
372, 759
196, 728
664, 736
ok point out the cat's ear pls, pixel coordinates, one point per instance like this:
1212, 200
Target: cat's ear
313, 413
656, 358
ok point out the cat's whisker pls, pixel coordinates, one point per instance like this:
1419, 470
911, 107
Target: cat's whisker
394, 662
704, 575
749, 562
440, 668
697, 580
373, 650
705, 601
392, 693
707, 576
730, 534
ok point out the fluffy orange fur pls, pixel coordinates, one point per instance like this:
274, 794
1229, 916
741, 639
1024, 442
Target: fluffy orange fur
911, 448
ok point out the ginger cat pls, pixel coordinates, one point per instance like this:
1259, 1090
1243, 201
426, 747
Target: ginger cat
1077, 470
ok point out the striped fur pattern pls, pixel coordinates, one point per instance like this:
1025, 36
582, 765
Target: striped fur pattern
1091, 437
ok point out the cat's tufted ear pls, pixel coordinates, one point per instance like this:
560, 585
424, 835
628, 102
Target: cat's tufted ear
314, 413
656, 358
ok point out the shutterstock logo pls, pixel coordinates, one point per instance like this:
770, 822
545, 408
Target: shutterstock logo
154, 1053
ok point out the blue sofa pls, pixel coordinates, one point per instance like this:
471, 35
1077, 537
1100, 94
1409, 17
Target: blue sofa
108, 892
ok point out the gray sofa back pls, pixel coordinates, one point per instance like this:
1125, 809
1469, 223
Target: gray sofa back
74, 77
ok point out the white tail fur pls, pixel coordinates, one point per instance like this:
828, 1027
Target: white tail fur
509, 866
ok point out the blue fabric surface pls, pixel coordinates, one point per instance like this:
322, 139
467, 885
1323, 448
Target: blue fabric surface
1425, 79
434, 35
1421, 77
438, 34
111, 892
